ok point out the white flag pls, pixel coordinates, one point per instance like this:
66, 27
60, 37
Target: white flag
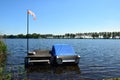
30, 12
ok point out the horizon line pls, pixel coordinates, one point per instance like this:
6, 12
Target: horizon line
58, 34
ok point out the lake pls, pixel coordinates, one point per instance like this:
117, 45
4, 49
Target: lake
100, 58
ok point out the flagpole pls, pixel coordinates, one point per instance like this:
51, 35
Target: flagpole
29, 12
27, 32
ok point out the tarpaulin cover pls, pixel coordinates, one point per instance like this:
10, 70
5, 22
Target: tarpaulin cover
63, 50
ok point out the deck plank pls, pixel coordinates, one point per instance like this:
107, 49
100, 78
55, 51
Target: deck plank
40, 53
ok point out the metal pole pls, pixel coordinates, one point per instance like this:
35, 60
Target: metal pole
27, 32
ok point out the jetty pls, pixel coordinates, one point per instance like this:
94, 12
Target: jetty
60, 53
38, 56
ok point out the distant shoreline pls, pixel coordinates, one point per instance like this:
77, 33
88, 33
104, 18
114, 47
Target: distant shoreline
91, 35
69, 38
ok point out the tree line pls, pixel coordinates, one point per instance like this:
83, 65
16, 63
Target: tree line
93, 35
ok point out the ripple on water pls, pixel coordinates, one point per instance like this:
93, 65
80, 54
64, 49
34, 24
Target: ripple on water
99, 58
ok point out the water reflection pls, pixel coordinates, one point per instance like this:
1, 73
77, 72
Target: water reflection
38, 68
66, 69
45, 71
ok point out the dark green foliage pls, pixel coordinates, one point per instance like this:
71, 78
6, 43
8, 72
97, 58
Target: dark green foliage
107, 35
3, 47
94, 35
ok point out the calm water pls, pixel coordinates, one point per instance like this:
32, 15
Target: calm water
100, 59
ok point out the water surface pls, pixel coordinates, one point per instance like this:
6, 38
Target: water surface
100, 58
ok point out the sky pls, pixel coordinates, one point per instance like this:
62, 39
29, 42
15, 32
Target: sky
59, 16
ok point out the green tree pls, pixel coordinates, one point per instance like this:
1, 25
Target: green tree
95, 35
20, 36
34, 35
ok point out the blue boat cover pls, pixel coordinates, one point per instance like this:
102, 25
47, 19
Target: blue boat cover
63, 50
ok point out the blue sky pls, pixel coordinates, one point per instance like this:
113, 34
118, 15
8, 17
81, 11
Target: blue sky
59, 16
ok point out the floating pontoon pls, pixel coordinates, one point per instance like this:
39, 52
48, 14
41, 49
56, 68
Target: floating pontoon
38, 56
60, 53
64, 53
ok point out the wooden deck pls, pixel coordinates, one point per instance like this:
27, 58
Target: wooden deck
40, 53
38, 56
